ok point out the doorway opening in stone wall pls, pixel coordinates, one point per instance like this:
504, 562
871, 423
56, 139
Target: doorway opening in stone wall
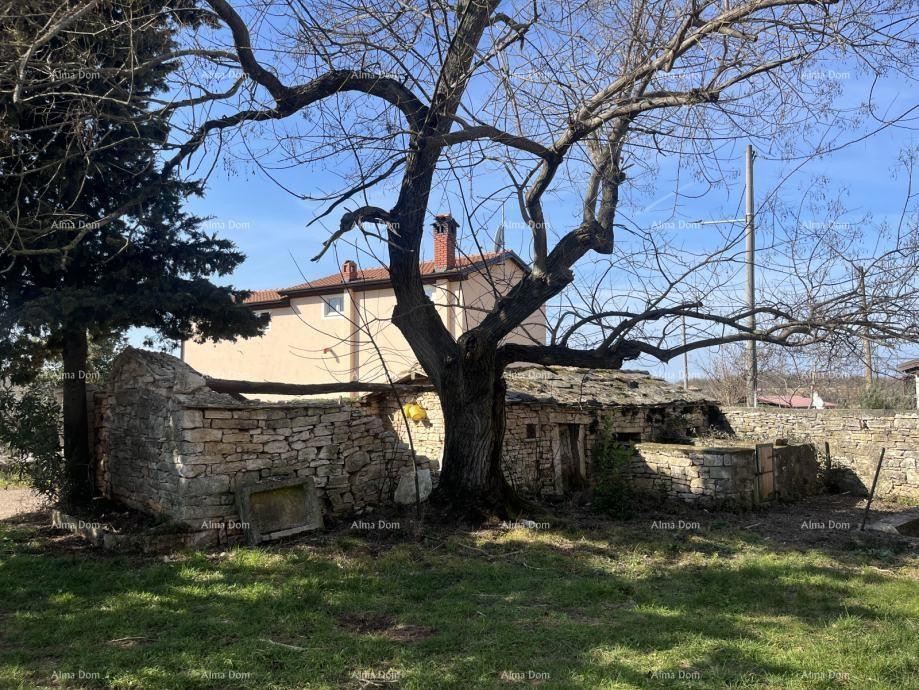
571, 457
765, 472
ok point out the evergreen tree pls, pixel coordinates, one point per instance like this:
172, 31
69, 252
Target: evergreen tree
81, 135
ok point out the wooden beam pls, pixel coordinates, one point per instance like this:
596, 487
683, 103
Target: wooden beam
275, 388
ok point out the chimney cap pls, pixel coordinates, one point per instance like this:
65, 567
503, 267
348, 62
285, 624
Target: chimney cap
445, 222
349, 270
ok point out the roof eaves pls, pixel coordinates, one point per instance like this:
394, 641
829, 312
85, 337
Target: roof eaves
364, 284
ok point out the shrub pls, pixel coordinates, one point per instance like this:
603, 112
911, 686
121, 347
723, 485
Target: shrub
879, 398
612, 493
30, 418
29, 429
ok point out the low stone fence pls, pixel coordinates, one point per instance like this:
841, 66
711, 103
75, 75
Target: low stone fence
855, 439
531, 451
720, 476
168, 444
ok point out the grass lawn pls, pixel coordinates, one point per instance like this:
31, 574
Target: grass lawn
615, 605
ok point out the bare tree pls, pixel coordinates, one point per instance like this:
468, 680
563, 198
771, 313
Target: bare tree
534, 102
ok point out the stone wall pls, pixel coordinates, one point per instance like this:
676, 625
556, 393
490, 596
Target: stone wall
855, 437
168, 444
706, 476
531, 441
720, 475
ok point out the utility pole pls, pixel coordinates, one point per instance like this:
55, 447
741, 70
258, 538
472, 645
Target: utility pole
685, 359
866, 341
751, 280
750, 231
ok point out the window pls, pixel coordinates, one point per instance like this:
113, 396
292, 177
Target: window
268, 321
334, 305
429, 291
531, 431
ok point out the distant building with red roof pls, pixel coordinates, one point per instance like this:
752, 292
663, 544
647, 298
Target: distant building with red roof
320, 329
794, 401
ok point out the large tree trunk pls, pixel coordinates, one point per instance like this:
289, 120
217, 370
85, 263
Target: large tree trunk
471, 481
77, 490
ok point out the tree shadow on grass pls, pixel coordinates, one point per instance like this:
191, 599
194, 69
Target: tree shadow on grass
521, 611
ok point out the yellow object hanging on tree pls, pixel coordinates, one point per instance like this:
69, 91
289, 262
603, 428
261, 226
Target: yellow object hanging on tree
414, 411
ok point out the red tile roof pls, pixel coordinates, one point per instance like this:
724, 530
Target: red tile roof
378, 273
258, 296
793, 401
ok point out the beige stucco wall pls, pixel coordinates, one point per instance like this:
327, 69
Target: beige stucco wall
303, 346
478, 297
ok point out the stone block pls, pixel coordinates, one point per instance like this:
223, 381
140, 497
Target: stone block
218, 414
219, 449
189, 471
328, 453
337, 482
202, 435
274, 508
234, 424
357, 461
266, 438
258, 463
204, 485
191, 419
405, 491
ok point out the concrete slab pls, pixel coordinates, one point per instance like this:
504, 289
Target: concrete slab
276, 508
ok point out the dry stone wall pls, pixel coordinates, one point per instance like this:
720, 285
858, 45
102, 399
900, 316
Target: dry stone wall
720, 475
706, 476
855, 438
530, 453
168, 444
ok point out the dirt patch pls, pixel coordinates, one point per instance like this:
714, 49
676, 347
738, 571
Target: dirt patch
14, 502
410, 634
364, 623
122, 520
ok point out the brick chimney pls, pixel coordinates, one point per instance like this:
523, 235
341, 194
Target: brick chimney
348, 271
444, 242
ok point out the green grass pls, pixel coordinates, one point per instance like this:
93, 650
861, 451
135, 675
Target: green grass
614, 607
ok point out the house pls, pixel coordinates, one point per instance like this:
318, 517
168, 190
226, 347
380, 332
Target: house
911, 368
792, 401
320, 329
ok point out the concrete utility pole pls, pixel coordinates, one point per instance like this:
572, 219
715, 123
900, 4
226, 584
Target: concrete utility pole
751, 280
866, 341
750, 231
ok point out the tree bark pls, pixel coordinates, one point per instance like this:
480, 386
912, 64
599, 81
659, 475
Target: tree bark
472, 485
77, 490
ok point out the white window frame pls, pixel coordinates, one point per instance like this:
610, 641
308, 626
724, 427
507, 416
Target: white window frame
328, 312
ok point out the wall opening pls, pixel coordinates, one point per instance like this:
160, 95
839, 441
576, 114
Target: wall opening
571, 457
